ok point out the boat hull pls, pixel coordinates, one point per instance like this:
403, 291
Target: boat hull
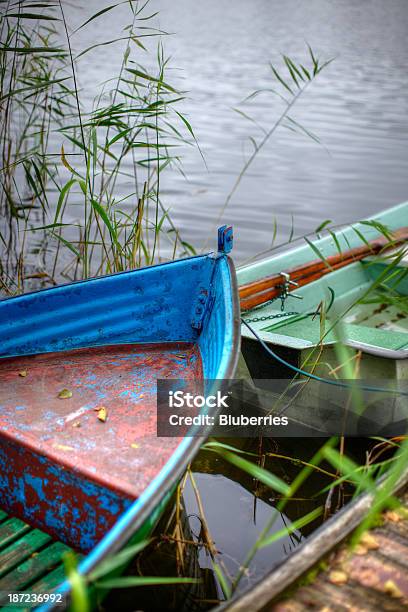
97, 483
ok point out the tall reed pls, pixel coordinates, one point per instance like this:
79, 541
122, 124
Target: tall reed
64, 216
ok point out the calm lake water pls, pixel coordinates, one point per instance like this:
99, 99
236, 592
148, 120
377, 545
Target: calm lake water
358, 108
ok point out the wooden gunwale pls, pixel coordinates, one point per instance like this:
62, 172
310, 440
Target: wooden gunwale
267, 288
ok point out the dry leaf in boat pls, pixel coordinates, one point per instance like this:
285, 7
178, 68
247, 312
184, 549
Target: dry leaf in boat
65, 394
338, 577
63, 447
392, 589
23, 373
102, 414
76, 424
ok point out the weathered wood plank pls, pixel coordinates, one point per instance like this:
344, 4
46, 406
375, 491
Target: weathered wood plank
21, 549
34, 568
324, 596
392, 546
30, 561
49, 582
11, 530
374, 576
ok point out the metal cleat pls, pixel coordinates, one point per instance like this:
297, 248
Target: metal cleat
285, 289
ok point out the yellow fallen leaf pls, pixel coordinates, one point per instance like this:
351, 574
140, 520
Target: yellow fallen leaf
134, 445
338, 577
23, 373
63, 447
360, 550
369, 541
65, 394
392, 516
392, 589
102, 414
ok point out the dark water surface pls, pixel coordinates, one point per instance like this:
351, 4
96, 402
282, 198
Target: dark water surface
236, 509
358, 108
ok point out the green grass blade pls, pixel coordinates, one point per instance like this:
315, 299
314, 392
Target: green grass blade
225, 587
127, 582
64, 191
267, 478
297, 524
117, 560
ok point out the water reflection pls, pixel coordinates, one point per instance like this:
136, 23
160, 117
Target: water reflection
236, 508
249, 515
358, 108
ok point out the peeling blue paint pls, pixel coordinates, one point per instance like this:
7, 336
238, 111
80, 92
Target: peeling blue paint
37, 484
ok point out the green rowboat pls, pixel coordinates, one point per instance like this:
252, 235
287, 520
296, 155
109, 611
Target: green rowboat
336, 306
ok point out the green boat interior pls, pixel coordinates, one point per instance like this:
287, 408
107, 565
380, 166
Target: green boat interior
373, 322
365, 303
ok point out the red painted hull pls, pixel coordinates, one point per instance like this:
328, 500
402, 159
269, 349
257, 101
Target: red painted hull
64, 469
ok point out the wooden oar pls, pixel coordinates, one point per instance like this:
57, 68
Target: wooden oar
257, 292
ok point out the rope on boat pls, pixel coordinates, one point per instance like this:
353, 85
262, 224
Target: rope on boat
327, 381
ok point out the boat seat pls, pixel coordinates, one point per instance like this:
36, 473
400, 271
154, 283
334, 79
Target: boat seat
30, 560
308, 330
